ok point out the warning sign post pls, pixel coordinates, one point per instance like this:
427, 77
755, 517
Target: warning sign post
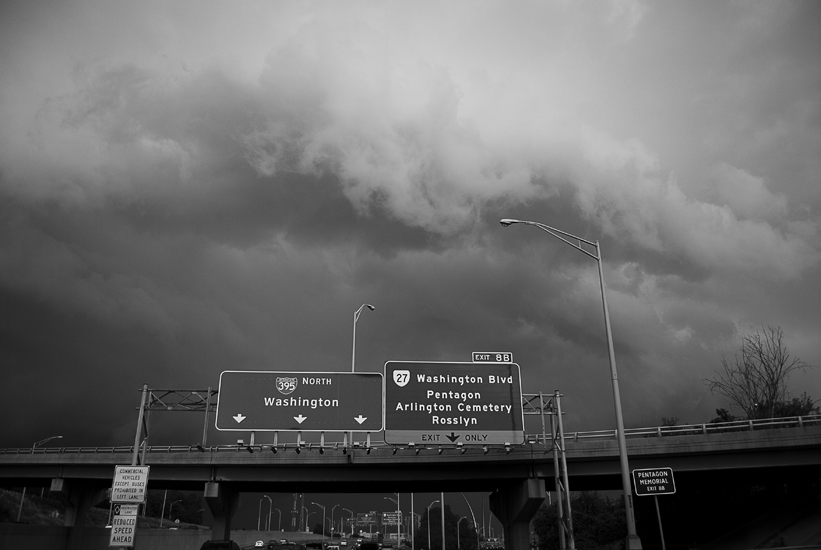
123, 525
127, 493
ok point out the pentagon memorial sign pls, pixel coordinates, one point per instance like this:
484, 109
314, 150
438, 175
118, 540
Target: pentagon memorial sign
306, 401
654, 481
452, 403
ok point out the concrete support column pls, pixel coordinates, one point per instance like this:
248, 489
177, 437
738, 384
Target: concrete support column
515, 505
78, 499
223, 502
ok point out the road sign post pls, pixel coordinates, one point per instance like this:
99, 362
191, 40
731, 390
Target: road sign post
128, 490
299, 401
655, 482
123, 525
453, 403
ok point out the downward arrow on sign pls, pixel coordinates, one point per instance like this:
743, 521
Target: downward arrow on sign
453, 437
300, 418
239, 418
360, 418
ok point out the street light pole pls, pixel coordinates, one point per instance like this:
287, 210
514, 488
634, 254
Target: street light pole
633, 542
429, 505
23, 496
270, 511
171, 508
323, 519
458, 543
398, 517
356, 315
279, 521
351, 513
415, 519
332, 519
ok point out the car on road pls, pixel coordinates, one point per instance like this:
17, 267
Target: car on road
259, 544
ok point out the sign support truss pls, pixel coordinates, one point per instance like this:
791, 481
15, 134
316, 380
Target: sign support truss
551, 405
171, 400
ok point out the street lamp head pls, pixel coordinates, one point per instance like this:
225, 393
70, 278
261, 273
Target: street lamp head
507, 221
46, 440
370, 307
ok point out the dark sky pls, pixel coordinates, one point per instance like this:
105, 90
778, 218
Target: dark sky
193, 187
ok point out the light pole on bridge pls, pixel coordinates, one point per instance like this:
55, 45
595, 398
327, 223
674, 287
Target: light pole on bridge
633, 542
34, 446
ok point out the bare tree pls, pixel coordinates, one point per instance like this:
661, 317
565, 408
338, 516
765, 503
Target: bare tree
756, 380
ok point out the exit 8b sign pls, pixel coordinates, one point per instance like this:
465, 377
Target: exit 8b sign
492, 357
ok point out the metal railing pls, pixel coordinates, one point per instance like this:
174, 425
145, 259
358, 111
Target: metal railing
657, 431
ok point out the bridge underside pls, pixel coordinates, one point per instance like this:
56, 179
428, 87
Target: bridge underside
517, 475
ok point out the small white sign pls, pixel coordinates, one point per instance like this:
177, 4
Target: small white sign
122, 531
492, 357
126, 509
129, 484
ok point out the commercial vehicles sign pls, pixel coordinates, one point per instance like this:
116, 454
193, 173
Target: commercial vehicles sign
453, 403
129, 484
307, 401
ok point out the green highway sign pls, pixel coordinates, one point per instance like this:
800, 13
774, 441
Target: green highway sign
304, 401
453, 403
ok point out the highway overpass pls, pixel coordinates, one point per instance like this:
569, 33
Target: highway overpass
518, 474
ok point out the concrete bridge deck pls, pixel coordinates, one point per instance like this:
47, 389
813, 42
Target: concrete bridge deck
592, 459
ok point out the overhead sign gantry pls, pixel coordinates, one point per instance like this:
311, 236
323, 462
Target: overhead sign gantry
306, 401
453, 403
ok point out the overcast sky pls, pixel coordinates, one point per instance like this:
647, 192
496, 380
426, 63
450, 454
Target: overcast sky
190, 187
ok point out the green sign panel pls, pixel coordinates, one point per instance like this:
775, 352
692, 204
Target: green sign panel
453, 403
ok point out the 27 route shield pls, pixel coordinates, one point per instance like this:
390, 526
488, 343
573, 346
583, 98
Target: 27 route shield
304, 401
453, 403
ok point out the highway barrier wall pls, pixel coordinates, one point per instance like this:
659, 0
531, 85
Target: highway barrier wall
54, 537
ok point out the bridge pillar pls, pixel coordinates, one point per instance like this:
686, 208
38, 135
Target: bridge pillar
223, 502
515, 505
78, 499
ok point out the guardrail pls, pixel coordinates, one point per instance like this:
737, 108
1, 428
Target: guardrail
658, 431
702, 429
